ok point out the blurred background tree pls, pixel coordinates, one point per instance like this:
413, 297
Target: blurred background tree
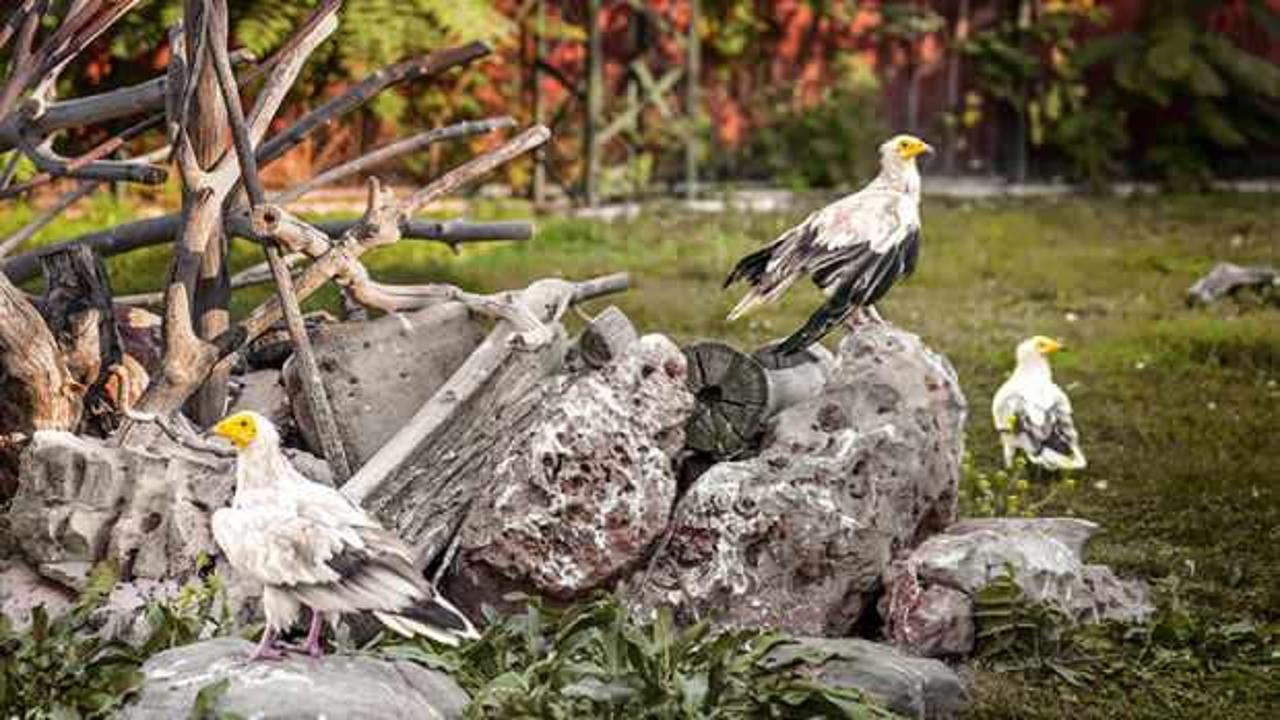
794, 91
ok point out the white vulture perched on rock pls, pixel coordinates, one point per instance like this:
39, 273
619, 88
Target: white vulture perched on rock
855, 249
1033, 415
310, 546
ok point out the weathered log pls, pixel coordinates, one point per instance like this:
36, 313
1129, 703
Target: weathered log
606, 337
794, 378
78, 310
1226, 278
737, 392
732, 393
38, 391
421, 482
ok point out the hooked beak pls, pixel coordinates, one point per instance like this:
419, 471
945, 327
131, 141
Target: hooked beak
920, 148
227, 430
1054, 346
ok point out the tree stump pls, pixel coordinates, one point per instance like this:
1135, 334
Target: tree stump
796, 377
737, 392
77, 308
731, 391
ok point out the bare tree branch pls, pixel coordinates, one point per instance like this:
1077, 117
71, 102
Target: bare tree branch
425, 66
381, 227
157, 231
28, 231
392, 151
309, 371
99, 151
21, 70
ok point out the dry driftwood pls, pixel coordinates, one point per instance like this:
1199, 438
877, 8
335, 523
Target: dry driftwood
1226, 278
77, 308
39, 392
421, 482
195, 359
606, 337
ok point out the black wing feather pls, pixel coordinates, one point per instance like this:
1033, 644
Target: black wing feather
866, 282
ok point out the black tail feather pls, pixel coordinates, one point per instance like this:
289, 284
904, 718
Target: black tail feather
751, 268
819, 324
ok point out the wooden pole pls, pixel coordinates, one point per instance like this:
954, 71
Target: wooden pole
309, 372
595, 103
539, 54
693, 102
211, 305
954, 102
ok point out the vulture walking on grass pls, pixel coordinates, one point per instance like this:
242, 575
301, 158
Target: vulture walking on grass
855, 249
311, 547
1033, 415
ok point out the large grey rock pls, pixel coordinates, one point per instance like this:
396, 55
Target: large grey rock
587, 485
798, 537
81, 500
1044, 557
336, 686
22, 590
910, 686
378, 373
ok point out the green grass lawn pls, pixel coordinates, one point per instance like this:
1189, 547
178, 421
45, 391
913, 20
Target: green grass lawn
1177, 407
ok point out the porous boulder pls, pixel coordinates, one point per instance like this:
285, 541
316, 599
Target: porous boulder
798, 538
336, 686
81, 500
587, 484
931, 589
380, 372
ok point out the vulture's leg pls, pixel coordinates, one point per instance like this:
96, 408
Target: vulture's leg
855, 318
266, 649
313, 646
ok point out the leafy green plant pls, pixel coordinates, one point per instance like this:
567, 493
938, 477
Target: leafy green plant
1010, 492
61, 667
56, 668
1018, 636
594, 660
1027, 63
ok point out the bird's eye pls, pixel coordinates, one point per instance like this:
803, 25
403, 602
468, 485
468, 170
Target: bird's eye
903, 143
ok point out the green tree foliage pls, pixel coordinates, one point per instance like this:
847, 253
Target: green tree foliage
1028, 63
1215, 96
829, 144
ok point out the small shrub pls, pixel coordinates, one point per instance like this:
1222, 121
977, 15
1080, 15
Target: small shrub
594, 660
61, 668
1010, 492
829, 144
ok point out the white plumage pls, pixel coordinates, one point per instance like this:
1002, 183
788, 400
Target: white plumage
854, 249
310, 546
1033, 415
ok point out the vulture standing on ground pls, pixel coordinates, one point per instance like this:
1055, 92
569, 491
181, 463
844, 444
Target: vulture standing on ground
1033, 415
855, 249
309, 545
